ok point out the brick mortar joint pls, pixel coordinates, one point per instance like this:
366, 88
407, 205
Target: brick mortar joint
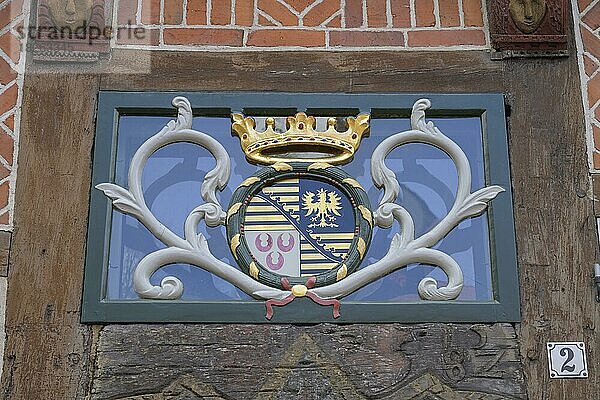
309, 28
437, 12
226, 48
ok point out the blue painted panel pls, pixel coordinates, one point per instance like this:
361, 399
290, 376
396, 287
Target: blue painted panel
174, 174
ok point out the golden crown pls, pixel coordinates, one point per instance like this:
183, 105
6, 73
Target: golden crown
301, 142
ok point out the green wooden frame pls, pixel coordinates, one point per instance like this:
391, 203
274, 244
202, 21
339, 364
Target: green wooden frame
490, 107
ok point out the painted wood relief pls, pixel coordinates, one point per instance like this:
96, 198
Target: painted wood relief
72, 30
528, 25
304, 203
320, 362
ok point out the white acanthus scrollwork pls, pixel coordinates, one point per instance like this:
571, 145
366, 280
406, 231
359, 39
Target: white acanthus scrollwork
405, 248
193, 249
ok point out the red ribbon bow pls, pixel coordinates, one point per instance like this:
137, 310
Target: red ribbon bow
310, 283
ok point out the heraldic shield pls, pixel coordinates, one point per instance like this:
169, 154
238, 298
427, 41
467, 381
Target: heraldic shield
300, 226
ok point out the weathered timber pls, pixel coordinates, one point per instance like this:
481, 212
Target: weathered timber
47, 355
317, 362
5, 238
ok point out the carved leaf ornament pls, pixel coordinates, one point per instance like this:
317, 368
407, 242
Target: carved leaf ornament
249, 275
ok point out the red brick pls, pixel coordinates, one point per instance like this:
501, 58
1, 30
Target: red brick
196, 12
424, 13
173, 12
449, 12
354, 13
589, 65
220, 12
204, 36
365, 38
4, 195
597, 114
148, 37
286, 37
321, 12
583, 4
335, 22
7, 74
4, 172
591, 42
244, 12
596, 157
10, 122
126, 13
596, 131
400, 13
151, 12
592, 18
445, 38
376, 13
278, 12
10, 12
4, 218
7, 145
11, 46
299, 5
593, 89
8, 99
472, 12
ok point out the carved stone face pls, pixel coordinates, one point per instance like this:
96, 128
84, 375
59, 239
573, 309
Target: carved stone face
70, 13
527, 14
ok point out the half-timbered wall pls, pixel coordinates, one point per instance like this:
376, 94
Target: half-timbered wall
51, 355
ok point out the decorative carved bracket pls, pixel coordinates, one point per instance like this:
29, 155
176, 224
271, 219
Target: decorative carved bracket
71, 30
528, 27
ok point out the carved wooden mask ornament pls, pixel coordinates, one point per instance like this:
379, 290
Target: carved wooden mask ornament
528, 26
71, 30
71, 13
527, 14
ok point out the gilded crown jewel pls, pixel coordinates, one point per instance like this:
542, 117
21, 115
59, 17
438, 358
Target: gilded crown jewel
301, 142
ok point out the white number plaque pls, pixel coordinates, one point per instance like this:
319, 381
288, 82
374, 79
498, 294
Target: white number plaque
567, 360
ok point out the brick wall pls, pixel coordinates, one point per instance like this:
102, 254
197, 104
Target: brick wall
587, 14
311, 24
12, 64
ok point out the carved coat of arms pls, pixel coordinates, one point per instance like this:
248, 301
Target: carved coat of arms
300, 226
